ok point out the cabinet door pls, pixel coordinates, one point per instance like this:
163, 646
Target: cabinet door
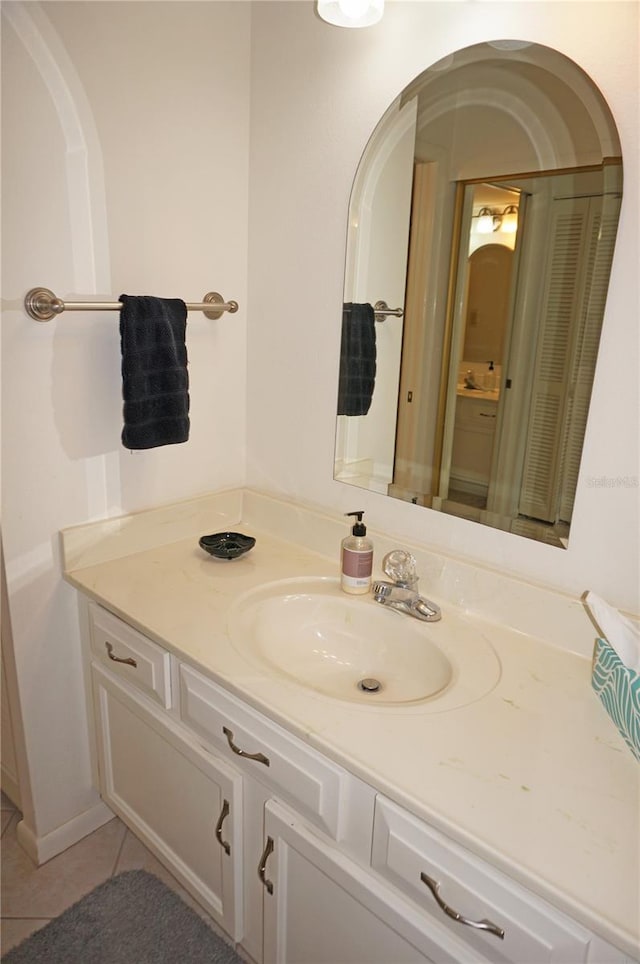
473, 438
322, 908
183, 803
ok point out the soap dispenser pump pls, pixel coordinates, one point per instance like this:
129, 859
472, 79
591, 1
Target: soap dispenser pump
356, 558
490, 377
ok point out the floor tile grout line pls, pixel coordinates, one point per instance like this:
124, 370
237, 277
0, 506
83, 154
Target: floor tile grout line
31, 914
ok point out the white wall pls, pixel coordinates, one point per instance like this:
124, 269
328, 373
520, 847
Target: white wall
125, 169
317, 94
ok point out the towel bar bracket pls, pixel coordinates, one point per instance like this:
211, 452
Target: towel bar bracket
213, 298
382, 310
42, 305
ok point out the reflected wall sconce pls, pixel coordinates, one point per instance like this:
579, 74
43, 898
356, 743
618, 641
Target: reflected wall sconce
510, 219
487, 221
351, 13
490, 221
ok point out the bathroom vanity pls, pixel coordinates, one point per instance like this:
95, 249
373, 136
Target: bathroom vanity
473, 439
493, 825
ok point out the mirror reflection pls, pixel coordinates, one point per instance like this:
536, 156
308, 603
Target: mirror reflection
485, 205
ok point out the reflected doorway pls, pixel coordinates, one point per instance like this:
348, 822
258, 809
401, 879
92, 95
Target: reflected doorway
481, 324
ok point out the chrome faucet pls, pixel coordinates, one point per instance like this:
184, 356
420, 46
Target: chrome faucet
402, 592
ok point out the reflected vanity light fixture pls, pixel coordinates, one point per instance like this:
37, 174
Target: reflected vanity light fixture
351, 13
490, 221
487, 221
510, 219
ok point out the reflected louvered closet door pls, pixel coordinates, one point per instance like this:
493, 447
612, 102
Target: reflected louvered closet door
569, 333
601, 237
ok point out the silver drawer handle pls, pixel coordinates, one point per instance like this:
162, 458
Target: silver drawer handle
119, 659
262, 866
481, 925
224, 813
260, 757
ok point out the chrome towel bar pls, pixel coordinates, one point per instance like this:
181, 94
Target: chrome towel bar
41, 304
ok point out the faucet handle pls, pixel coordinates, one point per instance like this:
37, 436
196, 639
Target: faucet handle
400, 566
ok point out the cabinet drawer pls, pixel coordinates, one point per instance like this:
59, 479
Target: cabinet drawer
130, 655
476, 414
313, 785
534, 932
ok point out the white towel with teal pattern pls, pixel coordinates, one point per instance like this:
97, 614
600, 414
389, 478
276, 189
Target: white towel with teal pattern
621, 634
616, 669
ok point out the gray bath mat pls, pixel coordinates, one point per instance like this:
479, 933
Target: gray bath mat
132, 918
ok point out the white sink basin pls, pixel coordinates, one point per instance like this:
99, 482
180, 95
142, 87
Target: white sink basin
351, 648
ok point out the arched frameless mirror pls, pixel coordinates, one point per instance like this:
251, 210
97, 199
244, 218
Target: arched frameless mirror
486, 207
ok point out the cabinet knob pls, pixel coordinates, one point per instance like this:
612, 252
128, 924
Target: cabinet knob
224, 813
260, 757
481, 925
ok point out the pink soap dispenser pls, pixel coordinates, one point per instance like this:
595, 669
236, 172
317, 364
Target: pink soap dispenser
356, 559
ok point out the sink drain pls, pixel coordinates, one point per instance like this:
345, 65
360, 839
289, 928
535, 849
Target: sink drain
370, 685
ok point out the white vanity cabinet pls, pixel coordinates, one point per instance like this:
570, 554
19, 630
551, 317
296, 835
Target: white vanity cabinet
473, 438
334, 806
299, 860
309, 895
182, 802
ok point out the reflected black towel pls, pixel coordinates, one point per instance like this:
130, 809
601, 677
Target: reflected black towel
155, 381
357, 359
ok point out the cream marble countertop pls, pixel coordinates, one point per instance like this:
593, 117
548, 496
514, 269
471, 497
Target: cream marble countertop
533, 776
481, 394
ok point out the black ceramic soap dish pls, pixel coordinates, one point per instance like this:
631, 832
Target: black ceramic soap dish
226, 545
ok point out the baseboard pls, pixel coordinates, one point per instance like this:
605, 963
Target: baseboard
41, 849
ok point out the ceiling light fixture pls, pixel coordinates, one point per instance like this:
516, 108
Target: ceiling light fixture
351, 13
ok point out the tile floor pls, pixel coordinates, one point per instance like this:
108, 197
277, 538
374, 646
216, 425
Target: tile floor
32, 895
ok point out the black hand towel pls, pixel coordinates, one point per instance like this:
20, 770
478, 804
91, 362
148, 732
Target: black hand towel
155, 381
357, 359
